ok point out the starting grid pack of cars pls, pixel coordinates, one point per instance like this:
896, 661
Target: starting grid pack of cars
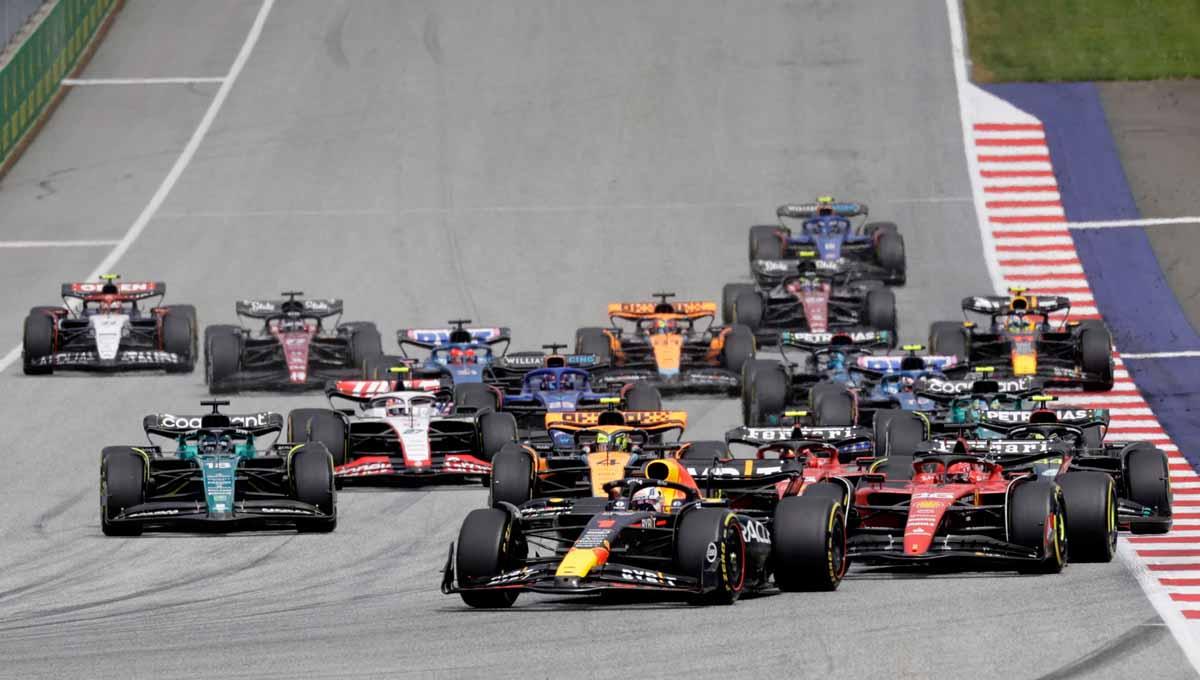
850, 449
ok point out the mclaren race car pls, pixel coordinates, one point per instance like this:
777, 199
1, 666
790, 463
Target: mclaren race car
102, 326
292, 349
218, 476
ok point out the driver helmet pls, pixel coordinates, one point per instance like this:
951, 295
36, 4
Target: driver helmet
620, 442
567, 382
456, 355
837, 361
396, 407
213, 443
546, 383
110, 303
959, 473
1017, 323
647, 500
666, 325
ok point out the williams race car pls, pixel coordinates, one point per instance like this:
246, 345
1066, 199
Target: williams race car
102, 327
293, 349
218, 477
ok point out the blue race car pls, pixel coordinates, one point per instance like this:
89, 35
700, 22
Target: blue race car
465, 353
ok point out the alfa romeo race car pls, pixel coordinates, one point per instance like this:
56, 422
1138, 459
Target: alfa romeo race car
672, 345
875, 249
293, 349
102, 327
217, 477
465, 353
652, 532
404, 429
1020, 340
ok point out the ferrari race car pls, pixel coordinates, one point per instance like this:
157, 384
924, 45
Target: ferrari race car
218, 477
1020, 340
875, 249
293, 349
465, 353
666, 348
653, 532
102, 327
404, 429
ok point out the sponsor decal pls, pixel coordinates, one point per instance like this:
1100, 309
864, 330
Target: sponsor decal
133, 357
283, 511
946, 495
592, 538
755, 532
940, 386
366, 469
465, 465
153, 513
508, 577
769, 266
769, 433
644, 576
316, 305
174, 422
710, 553
1024, 416
258, 305
926, 505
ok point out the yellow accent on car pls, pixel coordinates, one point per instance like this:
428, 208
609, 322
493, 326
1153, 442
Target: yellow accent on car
795, 414
398, 369
610, 400
986, 369
913, 348
578, 562
1024, 364
109, 277
1044, 397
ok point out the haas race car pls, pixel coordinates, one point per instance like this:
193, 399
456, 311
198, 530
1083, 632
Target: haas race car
102, 327
672, 345
409, 428
217, 477
292, 349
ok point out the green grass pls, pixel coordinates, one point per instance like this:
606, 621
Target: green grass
1035, 40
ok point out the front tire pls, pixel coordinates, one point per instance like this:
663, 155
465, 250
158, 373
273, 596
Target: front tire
748, 310
1091, 503
594, 341
513, 478
1146, 476
1036, 519
496, 430
320, 425
487, 545
38, 341
1095, 355
881, 312
312, 483
365, 343
950, 338
222, 356
697, 530
729, 296
809, 543
832, 405
178, 337
122, 486
766, 393
765, 243
643, 397
739, 348
477, 396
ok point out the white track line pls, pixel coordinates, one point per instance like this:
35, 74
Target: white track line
181, 163
1147, 222
55, 244
73, 82
1162, 355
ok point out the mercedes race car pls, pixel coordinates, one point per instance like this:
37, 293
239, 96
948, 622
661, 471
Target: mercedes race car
875, 249
653, 532
405, 429
465, 353
672, 345
293, 349
218, 476
1020, 340
101, 326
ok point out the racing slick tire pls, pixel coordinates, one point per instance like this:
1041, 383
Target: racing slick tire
222, 356
379, 367
594, 341
188, 311
476, 396
808, 546
38, 340
706, 450
766, 392
765, 243
643, 397
832, 405
830, 490
496, 430
748, 310
1031, 505
1091, 501
122, 485
703, 527
889, 253
897, 434
365, 342
487, 545
320, 425
179, 338
513, 478
881, 312
311, 472
1148, 483
739, 348
729, 296
1095, 354
950, 338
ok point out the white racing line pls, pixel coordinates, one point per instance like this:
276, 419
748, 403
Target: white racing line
56, 244
72, 82
185, 157
1027, 242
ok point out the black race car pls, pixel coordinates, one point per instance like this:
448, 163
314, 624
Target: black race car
292, 349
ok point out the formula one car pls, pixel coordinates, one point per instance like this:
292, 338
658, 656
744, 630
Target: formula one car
875, 249
666, 348
1021, 339
102, 327
218, 477
293, 349
405, 429
653, 532
809, 294
465, 353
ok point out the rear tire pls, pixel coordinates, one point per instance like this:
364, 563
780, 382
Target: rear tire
949, 338
189, 312
496, 430
379, 367
729, 296
766, 394
739, 348
889, 253
748, 310
765, 243
178, 337
320, 425
476, 396
1095, 355
832, 405
594, 341
643, 397
365, 343
697, 530
1091, 503
512, 476
122, 485
487, 545
312, 482
1147, 478
881, 312
38, 340
1030, 507
897, 435
706, 450
809, 544
828, 490
222, 356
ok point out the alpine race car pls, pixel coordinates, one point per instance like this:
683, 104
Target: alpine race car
876, 249
102, 327
654, 532
405, 429
1020, 340
666, 345
465, 353
217, 477
293, 349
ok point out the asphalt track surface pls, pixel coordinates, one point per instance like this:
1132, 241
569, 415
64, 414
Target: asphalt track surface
517, 163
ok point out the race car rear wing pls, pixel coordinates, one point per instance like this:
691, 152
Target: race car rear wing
265, 309
994, 448
806, 210
529, 361
770, 435
633, 311
170, 425
849, 339
944, 389
127, 290
1003, 304
365, 390
431, 338
651, 421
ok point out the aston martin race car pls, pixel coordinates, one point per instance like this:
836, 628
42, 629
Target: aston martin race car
653, 532
875, 249
405, 429
672, 345
216, 476
1021, 340
292, 349
465, 353
102, 326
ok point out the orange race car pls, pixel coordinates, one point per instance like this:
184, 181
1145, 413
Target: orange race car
673, 345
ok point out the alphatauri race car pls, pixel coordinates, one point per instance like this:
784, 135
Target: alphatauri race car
102, 327
292, 349
217, 477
